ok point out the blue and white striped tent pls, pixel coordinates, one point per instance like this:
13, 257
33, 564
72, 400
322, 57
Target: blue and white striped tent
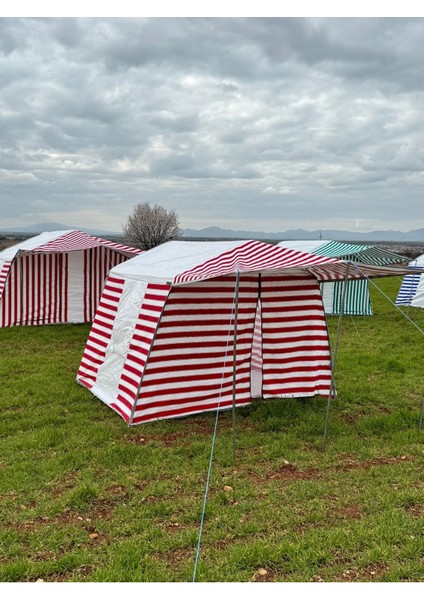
357, 300
411, 291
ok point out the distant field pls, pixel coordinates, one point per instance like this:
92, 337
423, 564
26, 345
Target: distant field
409, 249
85, 498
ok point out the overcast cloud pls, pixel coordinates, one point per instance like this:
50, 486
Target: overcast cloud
253, 123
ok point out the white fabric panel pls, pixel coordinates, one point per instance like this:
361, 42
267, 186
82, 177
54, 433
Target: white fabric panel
76, 287
109, 373
418, 299
417, 262
163, 263
34, 242
327, 292
256, 383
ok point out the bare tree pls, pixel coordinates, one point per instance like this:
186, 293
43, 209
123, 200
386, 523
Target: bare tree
148, 226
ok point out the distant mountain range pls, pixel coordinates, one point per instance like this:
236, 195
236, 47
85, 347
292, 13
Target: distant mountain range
51, 226
416, 235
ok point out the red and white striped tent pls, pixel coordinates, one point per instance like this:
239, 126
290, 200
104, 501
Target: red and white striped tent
176, 324
56, 277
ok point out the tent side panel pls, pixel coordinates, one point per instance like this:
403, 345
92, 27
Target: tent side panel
327, 292
357, 300
75, 287
36, 290
408, 289
5, 269
101, 332
190, 367
145, 323
97, 263
257, 363
296, 350
418, 299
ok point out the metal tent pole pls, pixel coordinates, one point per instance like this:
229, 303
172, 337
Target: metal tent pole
237, 285
333, 362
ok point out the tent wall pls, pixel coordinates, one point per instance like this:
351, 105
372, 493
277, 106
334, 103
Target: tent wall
135, 347
357, 299
296, 350
408, 289
97, 263
411, 291
55, 287
101, 332
418, 299
35, 292
158, 352
190, 368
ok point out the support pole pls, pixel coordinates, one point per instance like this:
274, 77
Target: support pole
420, 424
236, 293
333, 362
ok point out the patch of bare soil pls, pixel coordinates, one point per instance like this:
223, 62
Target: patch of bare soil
374, 462
416, 511
99, 509
175, 556
373, 572
65, 485
348, 511
181, 437
287, 472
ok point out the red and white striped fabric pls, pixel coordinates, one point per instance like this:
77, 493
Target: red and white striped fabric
190, 367
295, 345
4, 272
78, 240
139, 349
101, 332
36, 292
171, 343
56, 277
250, 256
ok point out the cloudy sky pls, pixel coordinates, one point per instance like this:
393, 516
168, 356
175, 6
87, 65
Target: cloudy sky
247, 123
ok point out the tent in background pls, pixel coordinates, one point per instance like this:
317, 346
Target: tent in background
411, 291
358, 300
190, 327
56, 277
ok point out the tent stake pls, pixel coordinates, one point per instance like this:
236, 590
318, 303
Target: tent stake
235, 363
420, 424
333, 363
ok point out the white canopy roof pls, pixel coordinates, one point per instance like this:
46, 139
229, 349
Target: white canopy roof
31, 243
180, 262
67, 240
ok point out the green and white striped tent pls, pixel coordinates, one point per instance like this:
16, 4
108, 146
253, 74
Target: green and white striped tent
357, 300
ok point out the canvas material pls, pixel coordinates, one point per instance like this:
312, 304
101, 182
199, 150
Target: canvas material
357, 300
411, 290
176, 357
45, 284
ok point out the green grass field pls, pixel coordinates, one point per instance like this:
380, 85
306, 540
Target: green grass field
85, 498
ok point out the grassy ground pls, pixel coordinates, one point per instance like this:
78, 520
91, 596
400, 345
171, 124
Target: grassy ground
84, 498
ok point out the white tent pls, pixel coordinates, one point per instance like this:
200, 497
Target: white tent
411, 291
56, 277
357, 300
194, 326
